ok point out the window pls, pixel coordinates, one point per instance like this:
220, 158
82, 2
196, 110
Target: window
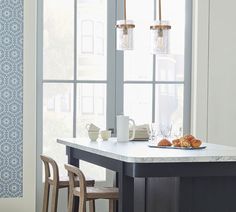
86, 80
87, 36
92, 37
74, 74
154, 86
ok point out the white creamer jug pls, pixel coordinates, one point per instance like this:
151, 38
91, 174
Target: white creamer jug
123, 128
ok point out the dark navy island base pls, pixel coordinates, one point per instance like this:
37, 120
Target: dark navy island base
168, 187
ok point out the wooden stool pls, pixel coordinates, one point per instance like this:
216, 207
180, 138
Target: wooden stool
88, 193
56, 182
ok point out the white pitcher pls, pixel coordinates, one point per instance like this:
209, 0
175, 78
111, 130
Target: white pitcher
123, 128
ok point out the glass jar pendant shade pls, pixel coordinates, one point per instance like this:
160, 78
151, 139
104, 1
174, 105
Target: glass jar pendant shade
125, 33
160, 35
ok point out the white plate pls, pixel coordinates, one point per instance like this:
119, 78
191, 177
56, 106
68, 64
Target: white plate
173, 147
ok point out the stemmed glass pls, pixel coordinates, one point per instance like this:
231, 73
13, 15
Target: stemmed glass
177, 133
165, 130
154, 131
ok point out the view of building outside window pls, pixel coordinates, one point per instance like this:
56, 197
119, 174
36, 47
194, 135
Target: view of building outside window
155, 81
60, 79
75, 85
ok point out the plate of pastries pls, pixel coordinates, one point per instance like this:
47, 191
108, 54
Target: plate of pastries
188, 142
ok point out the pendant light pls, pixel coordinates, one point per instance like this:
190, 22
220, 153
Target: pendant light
160, 35
124, 32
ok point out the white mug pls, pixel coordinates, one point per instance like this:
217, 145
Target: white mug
123, 128
91, 127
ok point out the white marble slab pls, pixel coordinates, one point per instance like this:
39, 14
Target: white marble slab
139, 152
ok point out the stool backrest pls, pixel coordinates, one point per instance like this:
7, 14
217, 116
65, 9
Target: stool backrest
73, 173
47, 163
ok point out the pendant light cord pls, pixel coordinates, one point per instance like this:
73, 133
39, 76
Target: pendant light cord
160, 10
125, 10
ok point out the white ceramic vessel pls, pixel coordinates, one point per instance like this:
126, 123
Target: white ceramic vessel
123, 128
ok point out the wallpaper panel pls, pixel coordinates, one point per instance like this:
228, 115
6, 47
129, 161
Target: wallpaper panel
11, 98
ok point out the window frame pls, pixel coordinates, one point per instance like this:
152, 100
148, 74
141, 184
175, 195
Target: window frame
115, 77
120, 82
115, 67
111, 67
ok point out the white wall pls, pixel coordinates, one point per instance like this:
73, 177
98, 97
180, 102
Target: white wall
214, 87
222, 72
27, 202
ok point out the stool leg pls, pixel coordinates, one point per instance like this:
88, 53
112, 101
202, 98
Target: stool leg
82, 205
70, 201
68, 196
92, 206
54, 199
46, 197
112, 204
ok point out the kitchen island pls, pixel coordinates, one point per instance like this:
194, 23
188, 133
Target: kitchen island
175, 180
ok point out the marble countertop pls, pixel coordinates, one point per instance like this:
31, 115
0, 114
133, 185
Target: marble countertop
139, 152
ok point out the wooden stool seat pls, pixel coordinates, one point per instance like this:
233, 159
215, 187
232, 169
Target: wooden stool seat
64, 181
86, 193
99, 193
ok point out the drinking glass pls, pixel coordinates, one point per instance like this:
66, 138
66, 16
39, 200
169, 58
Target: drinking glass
177, 132
165, 130
155, 132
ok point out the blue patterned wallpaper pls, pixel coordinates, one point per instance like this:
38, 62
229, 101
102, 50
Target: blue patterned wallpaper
11, 98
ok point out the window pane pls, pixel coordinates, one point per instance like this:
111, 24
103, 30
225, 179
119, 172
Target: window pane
138, 103
138, 64
91, 40
58, 39
171, 68
91, 108
176, 17
57, 120
169, 105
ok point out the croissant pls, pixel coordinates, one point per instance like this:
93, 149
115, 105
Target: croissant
164, 142
176, 143
195, 143
185, 142
189, 137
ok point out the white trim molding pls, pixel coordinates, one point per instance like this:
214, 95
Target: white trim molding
200, 68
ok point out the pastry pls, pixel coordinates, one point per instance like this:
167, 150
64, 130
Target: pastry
195, 143
189, 137
185, 142
176, 143
164, 142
